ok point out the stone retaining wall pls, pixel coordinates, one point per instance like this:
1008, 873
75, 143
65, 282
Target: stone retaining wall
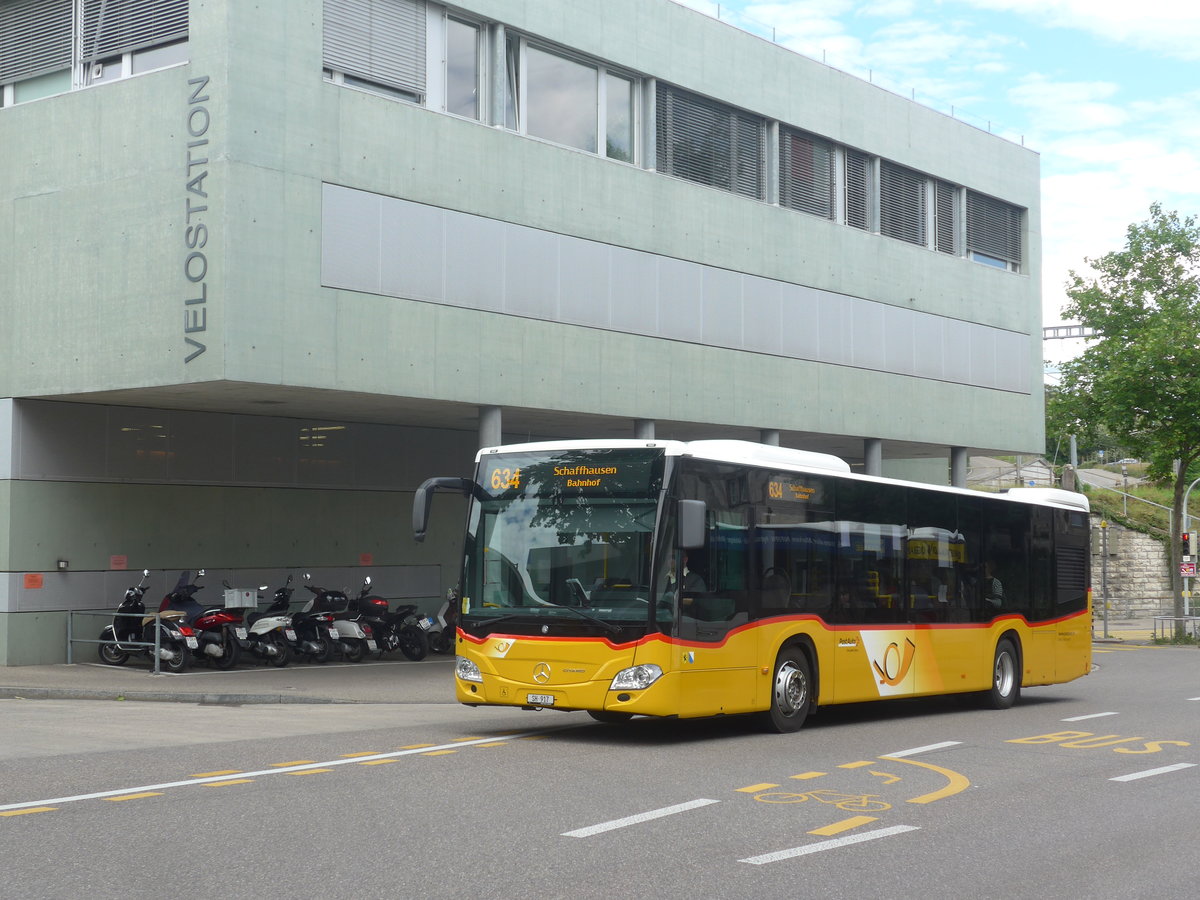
1138, 585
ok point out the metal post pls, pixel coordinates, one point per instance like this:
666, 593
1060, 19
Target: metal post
70, 635
157, 641
1125, 492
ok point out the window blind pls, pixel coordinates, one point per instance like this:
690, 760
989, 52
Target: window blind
993, 227
708, 142
858, 193
901, 203
945, 216
111, 27
35, 38
382, 41
806, 173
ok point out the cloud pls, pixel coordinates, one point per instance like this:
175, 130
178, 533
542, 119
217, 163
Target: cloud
1165, 27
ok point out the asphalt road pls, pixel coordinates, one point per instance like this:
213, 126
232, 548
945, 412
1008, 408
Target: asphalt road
1084, 789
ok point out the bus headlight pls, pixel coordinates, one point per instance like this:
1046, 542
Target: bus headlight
636, 678
467, 670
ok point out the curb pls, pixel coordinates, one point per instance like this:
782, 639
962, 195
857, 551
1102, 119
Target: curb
207, 699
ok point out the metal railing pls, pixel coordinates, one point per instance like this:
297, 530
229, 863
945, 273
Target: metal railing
155, 646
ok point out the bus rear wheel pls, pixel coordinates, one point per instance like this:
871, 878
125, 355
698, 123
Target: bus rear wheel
1006, 677
791, 692
608, 717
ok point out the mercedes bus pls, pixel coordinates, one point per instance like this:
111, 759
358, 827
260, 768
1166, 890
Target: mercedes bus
717, 577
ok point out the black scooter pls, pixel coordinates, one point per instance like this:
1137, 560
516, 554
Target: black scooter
133, 633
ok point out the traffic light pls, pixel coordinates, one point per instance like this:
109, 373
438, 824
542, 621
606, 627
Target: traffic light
1186, 540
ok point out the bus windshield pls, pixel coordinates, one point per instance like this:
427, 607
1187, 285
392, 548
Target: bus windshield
571, 528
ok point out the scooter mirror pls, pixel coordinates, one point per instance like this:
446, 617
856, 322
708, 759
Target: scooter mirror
200, 574
367, 581
264, 587
145, 573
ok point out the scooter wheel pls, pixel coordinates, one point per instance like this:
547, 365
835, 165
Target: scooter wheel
413, 643
112, 654
283, 653
354, 650
179, 662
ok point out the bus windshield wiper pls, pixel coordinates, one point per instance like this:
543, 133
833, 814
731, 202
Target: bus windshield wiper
607, 626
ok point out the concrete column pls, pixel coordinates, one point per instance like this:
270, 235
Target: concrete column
490, 422
497, 77
643, 429
769, 436
958, 466
873, 456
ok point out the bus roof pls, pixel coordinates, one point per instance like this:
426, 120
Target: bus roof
768, 456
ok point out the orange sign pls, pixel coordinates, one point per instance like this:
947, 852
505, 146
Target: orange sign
366, 559
33, 580
118, 562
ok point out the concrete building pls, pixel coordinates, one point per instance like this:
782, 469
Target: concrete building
266, 266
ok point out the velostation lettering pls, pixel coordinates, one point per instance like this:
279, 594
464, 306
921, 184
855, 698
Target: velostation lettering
196, 230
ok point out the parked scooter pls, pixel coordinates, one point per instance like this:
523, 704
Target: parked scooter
400, 629
269, 634
216, 627
442, 636
318, 637
132, 632
351, 634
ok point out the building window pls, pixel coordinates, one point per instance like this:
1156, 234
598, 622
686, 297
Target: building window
562, 97
44, 52
570, 101
36, 43
858, 189
902, 203
710, 143
946, 219
993, 232
462, 69
806, 170
377, 45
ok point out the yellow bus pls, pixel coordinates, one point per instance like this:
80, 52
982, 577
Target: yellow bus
703, 578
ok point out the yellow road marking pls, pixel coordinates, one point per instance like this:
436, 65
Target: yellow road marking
439, 752
377, 762
862, 764
231, 781
957, 782
493, 744
755, 788
309, 772
844, 825
362, 753
805, 775
534, 737
415, 746
135, 796
211, 774
294, 762
476, 738
25, 812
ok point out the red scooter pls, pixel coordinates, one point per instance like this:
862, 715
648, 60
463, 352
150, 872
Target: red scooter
216, 627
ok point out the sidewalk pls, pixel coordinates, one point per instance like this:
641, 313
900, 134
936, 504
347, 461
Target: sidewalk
387, 681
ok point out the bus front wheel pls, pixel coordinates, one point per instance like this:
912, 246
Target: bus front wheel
791, 692
1006, 677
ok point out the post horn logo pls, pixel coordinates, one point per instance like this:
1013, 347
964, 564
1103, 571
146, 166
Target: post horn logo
895, 663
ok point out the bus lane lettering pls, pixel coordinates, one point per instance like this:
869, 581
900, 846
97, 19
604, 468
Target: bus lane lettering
1086, 740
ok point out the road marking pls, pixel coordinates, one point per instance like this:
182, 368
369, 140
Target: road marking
415, 746
297, 762
899, 754
1194, 698
861, 764
844, 825
1091, 716
278, 770
755, 788
360, 754
494, 744
214, 774
956, 783
315, 771
438, 752
1151, 772
779, 855
377, 762
25, 812
806, 775
135, 796
227, 783
638, 819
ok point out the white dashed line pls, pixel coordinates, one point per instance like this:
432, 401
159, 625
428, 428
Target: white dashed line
1149, 773
1089, 716
827, 845
927, 748
638, 819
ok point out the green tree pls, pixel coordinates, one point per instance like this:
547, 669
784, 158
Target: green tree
1139, 378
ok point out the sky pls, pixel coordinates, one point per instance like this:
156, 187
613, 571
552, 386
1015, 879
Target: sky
1106, 92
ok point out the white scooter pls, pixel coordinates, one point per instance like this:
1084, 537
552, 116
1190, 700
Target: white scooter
353, 638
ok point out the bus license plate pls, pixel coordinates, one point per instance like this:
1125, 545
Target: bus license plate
539, 699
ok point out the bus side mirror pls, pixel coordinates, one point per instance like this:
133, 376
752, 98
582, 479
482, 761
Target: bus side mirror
692, 514
423, 499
